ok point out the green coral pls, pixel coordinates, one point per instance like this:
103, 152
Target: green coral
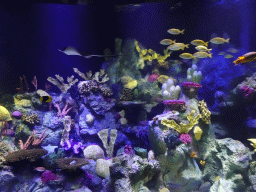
183, 128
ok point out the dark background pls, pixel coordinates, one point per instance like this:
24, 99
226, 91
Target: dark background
31, 34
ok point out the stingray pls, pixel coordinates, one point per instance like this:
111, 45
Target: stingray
72, 51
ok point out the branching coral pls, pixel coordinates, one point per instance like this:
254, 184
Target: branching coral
183, 128
149, 54
59, 82
99, 77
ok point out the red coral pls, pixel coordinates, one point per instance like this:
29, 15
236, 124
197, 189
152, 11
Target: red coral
174, 105
190, 89
153, 77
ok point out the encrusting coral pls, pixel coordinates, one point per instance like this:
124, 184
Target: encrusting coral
206, 114
183, 128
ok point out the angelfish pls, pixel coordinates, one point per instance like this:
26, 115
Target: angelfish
246, 58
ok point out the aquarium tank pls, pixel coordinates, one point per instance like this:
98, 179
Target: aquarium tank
139, 97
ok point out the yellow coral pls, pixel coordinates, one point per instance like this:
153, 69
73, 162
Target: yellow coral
131, 85
22, 102
140, 64
143, 54
162, 78
4, 114
206, 114
183, 128
126, 79
198, 133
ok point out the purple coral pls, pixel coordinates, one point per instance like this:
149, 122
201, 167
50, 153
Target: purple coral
48, 176
174, 105
185, 138
247, 92
128, 149
74, 145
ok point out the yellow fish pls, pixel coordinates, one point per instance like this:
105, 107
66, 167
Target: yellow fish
202, 48
232, 50
193, 154
202, 163
177, 46
221, 53
186, 56
246, 58
198, 42
167, 42
219, 40
201, 54
176, 31
228, 56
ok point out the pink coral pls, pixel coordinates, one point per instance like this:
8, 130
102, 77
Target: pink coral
185, 138
153, 77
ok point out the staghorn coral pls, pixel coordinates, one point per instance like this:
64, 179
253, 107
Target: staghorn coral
71, 163
183, 128
100, 77
59, 82
28, 154
205, 113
